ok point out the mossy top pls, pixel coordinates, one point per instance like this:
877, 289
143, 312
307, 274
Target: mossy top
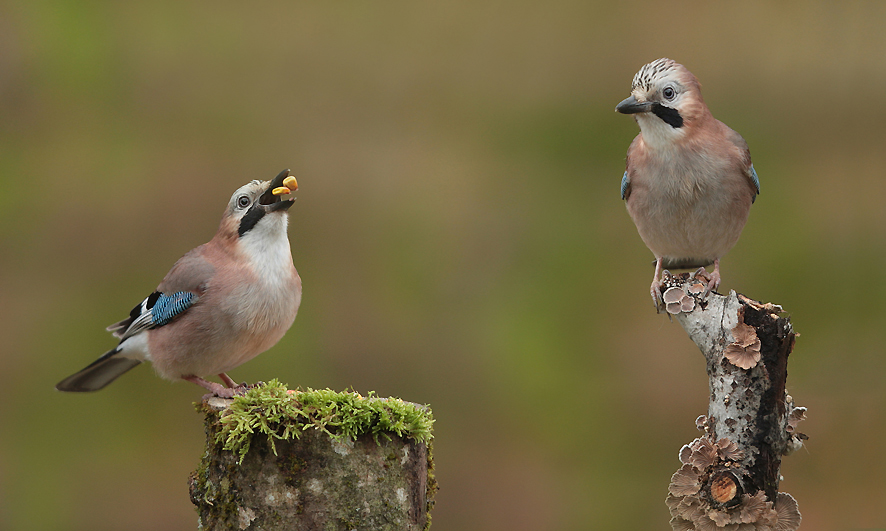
280, 413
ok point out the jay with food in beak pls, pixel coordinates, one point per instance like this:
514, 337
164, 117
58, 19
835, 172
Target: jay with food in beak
221, 304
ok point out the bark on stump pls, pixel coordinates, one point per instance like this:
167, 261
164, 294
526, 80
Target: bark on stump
313, 482
730, 475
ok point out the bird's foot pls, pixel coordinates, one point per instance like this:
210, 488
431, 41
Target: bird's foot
216, 389
711, 280
237, 390
225, 392
655, 291
234, 387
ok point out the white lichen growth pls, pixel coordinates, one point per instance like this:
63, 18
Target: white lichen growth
795, 416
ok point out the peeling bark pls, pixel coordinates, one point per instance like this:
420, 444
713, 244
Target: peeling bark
751, 419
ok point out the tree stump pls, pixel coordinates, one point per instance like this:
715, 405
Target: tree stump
306, 467
730, 475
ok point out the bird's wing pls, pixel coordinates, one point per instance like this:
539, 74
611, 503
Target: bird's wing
190, 273
180, 289
156, 310
745, 154
635, 150
752, 175
625, 186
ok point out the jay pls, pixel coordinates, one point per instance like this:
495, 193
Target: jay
689, 182
221, 304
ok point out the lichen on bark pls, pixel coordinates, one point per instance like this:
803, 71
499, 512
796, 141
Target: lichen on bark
751, 420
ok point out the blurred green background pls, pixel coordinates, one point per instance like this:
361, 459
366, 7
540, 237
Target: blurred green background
459, 233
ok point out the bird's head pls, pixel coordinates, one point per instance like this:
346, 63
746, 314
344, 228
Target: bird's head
256, 208
665, 100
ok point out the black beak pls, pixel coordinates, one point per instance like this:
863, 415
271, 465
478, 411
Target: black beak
630, 105
273, 202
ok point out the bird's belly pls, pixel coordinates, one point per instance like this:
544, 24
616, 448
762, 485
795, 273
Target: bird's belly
205, 353
219, 341
697, 231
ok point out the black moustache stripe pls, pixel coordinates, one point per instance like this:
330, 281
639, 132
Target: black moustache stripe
669, 115
252, 216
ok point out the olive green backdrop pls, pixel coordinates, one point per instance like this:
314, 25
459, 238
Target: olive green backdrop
459, 232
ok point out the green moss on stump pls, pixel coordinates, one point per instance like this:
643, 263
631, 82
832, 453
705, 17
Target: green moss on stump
285, 459
279, 413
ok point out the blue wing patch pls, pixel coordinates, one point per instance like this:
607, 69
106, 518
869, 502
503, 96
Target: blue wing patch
625, 182
168, 306
755, 180
156, 310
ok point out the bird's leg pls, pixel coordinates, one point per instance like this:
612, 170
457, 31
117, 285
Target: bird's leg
227, 380
713, 278
216, 389
238, 389
655, 288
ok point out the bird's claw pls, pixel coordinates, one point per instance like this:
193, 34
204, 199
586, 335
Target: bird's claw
655, 291
229, 390
711, 280
226, 392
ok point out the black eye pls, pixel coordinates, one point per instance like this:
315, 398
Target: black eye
243, 201
669, 93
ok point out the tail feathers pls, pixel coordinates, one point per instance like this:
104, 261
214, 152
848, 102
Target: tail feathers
98, 374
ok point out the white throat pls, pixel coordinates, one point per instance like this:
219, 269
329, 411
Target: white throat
657, 134
267, 248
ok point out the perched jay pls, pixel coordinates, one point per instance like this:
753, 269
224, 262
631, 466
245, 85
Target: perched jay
220, 305
689, 182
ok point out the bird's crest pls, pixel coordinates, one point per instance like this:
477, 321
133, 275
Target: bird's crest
644, 78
